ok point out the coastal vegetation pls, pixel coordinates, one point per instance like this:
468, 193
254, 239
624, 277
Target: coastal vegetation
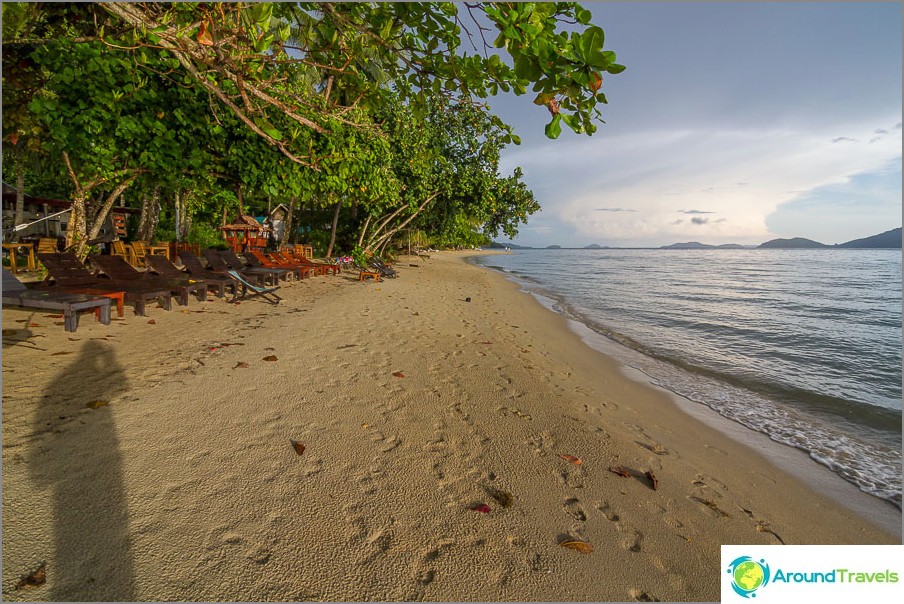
366, 120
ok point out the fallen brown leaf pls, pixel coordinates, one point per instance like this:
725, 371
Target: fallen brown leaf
241, 365
652, 477
572, 459
299, 448
35, 579
271, 357
398, 374
620, 471
152, 321
578, 546
62, 352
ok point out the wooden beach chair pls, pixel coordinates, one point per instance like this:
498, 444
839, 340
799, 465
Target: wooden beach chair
164, 268
15, 293
259, 261
319, 267
216, 261
244, 289
120, 272
66, 273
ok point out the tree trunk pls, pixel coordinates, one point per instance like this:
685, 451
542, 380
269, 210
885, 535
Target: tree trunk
20, 196
238, 192
104, 210
288, 234
329, 249
150, 215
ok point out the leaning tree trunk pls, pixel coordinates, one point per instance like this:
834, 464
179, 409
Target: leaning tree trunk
329, 249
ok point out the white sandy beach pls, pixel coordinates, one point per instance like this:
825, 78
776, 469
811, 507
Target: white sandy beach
151, 459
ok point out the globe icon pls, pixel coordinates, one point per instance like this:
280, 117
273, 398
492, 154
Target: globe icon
749, 575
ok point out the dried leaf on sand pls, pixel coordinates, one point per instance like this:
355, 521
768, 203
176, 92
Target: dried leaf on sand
35, 579
241, 365
299, 448
578, 546
572, 459
652, 478
271, 357
398, 374
620, 471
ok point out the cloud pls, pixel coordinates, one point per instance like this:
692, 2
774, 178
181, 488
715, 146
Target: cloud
615, 210
844, 139
880, 131
695, 212
698, 220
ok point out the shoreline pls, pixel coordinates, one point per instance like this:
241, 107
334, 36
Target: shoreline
871, 508
152, 460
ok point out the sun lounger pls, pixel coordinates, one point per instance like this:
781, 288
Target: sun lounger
289, 255
255, 263
119, 271
244, 289
217, 262
163, 267
15, 293
67, 273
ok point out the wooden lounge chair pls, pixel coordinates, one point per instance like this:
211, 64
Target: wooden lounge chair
67, 273
47, 245
259, 260
234, 262
120, 272
244, 289
218, 270
381, 267
318, 267
217, 263
15, 293
166, 269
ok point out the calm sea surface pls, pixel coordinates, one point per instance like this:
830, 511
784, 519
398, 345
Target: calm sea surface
802, 345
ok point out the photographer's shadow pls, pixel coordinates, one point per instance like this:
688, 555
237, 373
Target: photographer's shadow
78, 461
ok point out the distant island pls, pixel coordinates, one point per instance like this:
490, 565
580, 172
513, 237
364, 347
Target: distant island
797, 243
888, 240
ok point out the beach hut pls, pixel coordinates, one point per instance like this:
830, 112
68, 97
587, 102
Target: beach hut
245, 233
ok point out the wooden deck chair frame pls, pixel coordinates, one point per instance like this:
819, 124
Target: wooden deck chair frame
249, 290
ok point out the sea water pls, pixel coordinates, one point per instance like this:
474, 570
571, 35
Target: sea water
801, 345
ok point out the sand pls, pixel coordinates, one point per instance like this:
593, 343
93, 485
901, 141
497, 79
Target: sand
151, 459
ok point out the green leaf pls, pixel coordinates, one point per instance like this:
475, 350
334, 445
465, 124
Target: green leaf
615, 68
582, 15
554, 128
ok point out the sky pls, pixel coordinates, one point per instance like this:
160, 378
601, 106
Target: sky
733, 123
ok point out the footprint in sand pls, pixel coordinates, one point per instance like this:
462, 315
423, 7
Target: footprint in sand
633, 543
573, 508
606, 509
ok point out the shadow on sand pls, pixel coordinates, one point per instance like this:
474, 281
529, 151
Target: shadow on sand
77, 461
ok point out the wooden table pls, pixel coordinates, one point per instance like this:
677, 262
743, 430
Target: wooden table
13, 248
159, 250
